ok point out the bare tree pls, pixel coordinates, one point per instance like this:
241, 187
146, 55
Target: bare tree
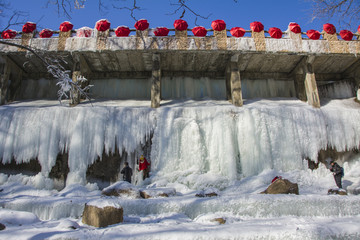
347, 12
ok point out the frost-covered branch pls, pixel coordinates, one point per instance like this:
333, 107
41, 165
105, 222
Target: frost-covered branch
67, 86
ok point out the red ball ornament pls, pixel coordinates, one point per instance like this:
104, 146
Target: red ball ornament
199, 31
295, 28
346, 35
122, 31
256, 26
84, 32
29, 27
237, 32
329, 28
8, 34
313, 34
180, 25
161, 31
46, 33
66, 26
275, 32
141, 25
102, 25
218, 25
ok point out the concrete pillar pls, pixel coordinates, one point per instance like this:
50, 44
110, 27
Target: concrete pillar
25, 40
62, 40
181, 39
305, 82
101, 39
80, 68
4, 80
336, 46
297, 40
233, 82
221, 39
141, 37
155, 81
259, 39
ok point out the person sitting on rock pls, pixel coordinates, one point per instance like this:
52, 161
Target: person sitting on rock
144, 166
337, 172
127, 172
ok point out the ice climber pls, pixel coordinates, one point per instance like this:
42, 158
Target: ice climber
338, 173
144, 166
127, 172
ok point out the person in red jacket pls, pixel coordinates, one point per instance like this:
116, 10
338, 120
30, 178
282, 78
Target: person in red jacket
144, 166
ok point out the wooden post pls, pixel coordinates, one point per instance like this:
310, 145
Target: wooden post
233, 82
155, 81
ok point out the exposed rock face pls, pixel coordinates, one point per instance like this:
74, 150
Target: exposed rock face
213, 194
282, 186
337, 192
219, 220
158, 192
2, 227
102, 217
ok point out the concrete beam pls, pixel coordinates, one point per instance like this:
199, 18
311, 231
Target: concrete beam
233, 82
155, 82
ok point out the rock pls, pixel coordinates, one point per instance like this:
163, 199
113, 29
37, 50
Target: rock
2, 226
122, 189
337, 192
102, 217
282, 186
219, 220
157, 192
210, 192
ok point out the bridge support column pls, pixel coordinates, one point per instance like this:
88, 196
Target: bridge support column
305, 82
4, 80
80, 69
10, 79
233, 82
155, 81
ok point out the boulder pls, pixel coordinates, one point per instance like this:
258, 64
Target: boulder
102, 216
157, 192
2, 226
337, 192
219, 220
282, 186
122, 189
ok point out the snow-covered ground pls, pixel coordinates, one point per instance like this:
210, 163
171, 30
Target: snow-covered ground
197, 146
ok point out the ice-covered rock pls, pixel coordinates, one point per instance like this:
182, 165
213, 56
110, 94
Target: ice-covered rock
102, 216
157, 192
282, 186
122, 189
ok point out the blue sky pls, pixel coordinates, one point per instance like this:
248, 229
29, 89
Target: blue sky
272, 13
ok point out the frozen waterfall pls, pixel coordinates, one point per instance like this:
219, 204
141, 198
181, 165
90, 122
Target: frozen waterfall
193, 142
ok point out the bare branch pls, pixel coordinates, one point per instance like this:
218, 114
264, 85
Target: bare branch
345, 11
181, 5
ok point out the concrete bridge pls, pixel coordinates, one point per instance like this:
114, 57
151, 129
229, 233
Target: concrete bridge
303, 62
